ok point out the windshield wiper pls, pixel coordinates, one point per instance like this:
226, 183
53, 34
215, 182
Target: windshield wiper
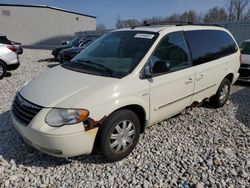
88, 62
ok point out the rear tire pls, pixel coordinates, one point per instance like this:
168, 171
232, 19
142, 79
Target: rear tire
119, 134
3, 70
221, 97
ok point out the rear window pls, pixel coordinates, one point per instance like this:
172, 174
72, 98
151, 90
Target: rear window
209, 45
4, 40
245, 48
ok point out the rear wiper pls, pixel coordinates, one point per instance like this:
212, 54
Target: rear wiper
108, 70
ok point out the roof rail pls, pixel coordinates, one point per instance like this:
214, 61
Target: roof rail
176, 23
208, 24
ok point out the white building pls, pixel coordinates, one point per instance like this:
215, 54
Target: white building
40, 24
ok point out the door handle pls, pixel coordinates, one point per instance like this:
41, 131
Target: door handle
198, 78
189, 80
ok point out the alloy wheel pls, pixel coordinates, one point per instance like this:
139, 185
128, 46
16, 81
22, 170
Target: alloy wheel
224, 93
1, 70
122, 136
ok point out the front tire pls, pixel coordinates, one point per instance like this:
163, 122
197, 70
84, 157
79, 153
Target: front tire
221, 97
119, 134
3, 70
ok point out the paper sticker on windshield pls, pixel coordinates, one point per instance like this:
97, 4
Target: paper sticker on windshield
144, 36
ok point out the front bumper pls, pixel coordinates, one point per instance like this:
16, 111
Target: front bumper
65, 141
244, 72
65, 57
60, 58
55, 54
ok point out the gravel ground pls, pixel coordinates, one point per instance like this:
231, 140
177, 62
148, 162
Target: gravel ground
201, 147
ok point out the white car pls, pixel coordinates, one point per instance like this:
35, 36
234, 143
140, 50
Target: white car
8, 59
245, 61
125, 81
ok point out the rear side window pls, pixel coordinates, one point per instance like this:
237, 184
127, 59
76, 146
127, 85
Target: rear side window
209, 45
245, 48
4, 40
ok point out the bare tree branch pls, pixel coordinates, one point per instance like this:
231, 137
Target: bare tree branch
215, 14
237, 9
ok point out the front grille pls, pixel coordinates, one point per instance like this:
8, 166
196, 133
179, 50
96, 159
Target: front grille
244, 73
24, 110
67, 57
245, 65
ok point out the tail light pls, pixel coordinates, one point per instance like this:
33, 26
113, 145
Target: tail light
12, 48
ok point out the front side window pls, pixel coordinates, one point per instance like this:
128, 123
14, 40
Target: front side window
75, 41
172, 51
245, 48
85, 42
209, 45
115, 54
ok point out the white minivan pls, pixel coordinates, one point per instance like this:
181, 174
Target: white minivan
125, 81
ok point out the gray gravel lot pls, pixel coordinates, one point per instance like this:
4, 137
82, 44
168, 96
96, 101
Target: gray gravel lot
201, 147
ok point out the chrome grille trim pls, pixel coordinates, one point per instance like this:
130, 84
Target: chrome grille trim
24, 110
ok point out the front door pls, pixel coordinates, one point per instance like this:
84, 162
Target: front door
171, 85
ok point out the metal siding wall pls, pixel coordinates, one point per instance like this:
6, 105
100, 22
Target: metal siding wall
241, 31
32, 25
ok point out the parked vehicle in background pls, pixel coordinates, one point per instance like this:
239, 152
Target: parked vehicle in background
8, 59
68, 54
65, 42
245, 61
75, 42
125, 81
18, 46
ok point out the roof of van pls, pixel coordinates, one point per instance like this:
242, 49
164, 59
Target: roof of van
159, 28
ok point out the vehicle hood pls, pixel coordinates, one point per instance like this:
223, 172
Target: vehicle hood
59, 48
57, 87
72, 50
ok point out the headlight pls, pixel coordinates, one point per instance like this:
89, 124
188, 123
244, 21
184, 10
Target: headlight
58, 116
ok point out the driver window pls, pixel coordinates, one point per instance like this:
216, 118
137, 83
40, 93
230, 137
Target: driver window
172, 50
85, 42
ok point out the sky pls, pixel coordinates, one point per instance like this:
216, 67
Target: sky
108, 11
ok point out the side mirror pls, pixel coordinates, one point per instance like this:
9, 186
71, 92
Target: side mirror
147, 72
65, 43
160, 67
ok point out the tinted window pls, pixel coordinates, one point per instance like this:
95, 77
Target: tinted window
245, 48
209, 45
75, 41
4, 40
83, 43
172, 50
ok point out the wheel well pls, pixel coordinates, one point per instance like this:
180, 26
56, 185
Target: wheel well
1, 61
140, 112
230, 77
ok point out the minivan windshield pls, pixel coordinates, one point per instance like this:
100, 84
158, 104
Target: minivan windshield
115, 54
245, 48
